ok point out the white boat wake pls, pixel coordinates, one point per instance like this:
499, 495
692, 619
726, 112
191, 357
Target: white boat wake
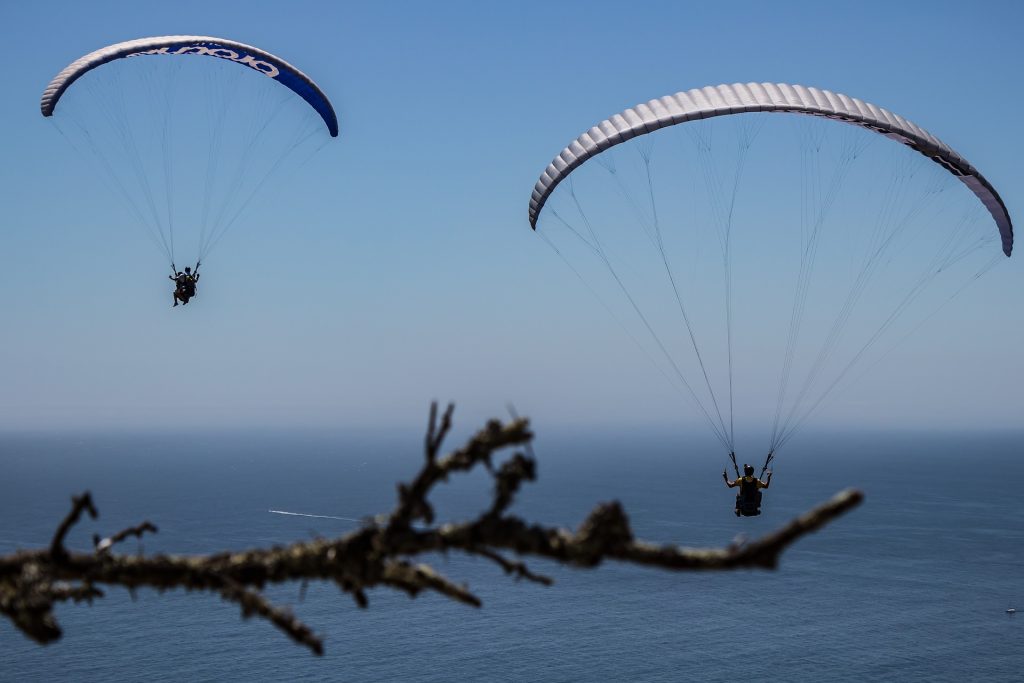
302, 514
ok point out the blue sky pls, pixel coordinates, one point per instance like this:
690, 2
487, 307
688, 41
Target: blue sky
404, 263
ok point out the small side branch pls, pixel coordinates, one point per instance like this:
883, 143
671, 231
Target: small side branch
103, 545
254, 604
79, 504
415, 578
436, 434
517, 569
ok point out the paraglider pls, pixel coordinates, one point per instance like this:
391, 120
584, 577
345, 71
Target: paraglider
184, 284
748, 500
640, 237
188, 142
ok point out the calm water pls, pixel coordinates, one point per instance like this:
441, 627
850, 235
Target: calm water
911, 586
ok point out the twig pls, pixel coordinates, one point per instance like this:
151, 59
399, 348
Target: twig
105, 544
78, 505
253, 603
519, 569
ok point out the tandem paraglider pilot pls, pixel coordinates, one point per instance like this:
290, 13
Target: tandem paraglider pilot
184, 284
748, 500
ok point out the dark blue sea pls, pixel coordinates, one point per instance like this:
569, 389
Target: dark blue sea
912, 586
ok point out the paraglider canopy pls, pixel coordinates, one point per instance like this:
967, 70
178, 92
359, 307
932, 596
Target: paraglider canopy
220, 48
739, 98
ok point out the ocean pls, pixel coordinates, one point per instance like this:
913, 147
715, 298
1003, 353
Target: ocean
911, 586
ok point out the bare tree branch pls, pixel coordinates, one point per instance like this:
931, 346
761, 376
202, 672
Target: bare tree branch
415, 578
79, 504
105, 544
519, 569
376, 554
252, 603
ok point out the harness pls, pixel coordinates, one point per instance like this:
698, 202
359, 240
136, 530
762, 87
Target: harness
748, 500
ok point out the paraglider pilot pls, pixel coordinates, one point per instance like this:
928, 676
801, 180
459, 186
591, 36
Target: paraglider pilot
748, 500
184, 284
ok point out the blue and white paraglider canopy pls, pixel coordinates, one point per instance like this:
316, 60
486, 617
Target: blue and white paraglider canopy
221, 48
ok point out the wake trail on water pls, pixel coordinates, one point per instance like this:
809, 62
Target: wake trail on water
303, 514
